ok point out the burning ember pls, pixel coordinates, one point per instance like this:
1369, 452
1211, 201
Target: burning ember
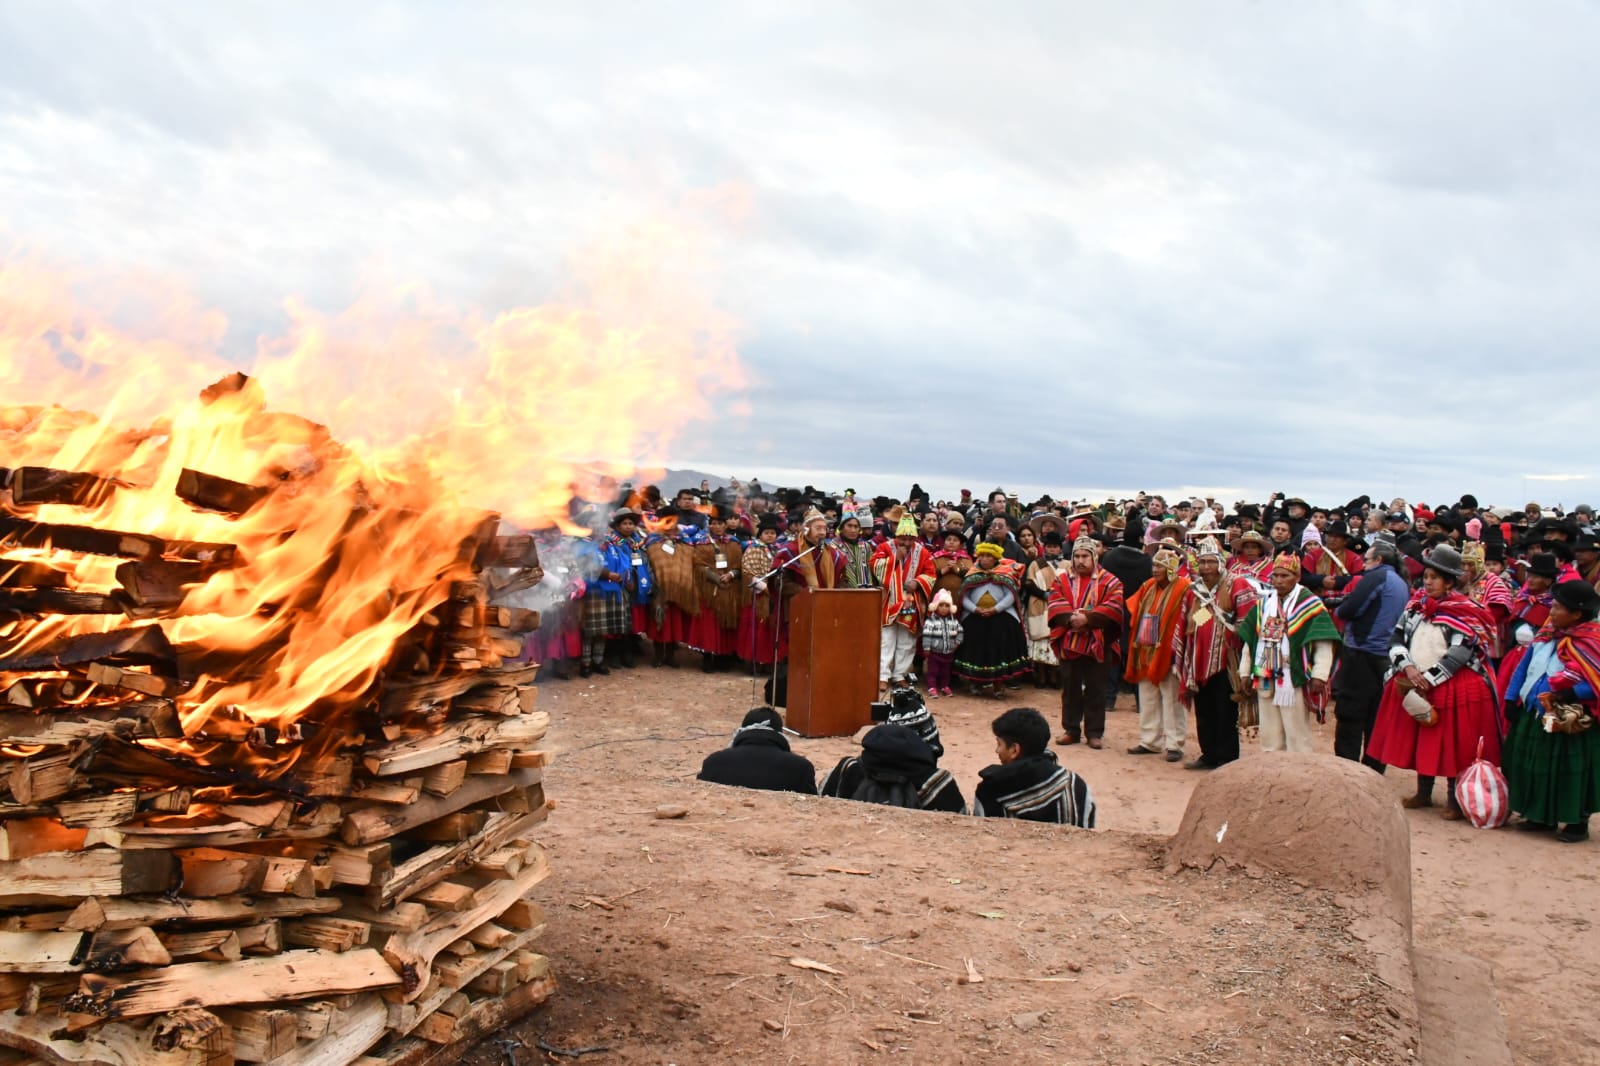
273, 771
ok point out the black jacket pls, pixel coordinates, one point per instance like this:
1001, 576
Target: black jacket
760, 758
893, 751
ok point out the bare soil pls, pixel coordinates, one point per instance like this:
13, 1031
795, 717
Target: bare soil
772, 928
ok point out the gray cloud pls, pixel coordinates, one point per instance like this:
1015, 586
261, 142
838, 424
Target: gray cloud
1323, 247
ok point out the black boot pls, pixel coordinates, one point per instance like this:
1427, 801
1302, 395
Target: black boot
671, 656
658, 654
707, 662
583, 669
625, 653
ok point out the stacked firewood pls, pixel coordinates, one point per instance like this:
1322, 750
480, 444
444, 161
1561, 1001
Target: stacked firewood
186, 888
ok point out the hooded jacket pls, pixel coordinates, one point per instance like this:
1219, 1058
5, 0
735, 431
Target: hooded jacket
891, 750
759, 758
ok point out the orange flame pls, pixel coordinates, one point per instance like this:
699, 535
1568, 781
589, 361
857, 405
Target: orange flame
442, 412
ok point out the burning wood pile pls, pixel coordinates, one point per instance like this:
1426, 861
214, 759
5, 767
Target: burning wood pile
269, 787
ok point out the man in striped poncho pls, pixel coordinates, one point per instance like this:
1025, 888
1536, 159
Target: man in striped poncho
1028, 783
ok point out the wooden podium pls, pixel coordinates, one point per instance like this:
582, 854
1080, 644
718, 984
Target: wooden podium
833, 660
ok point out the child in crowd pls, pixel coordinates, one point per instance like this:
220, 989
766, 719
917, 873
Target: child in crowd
941, 636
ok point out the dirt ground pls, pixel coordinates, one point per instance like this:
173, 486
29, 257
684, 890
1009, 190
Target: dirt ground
675, 940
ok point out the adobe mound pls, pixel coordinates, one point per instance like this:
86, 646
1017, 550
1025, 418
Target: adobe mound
1322, 821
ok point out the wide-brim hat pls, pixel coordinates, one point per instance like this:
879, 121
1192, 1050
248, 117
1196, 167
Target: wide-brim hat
1169, 528
1336, 529
1295, 501
1253, 537
1444, 559
1543, 564
1046, 523
619, 515
1577, 596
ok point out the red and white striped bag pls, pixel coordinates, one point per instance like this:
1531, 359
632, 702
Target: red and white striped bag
1483, 794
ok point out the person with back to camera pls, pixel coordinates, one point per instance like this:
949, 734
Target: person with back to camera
896, 768
759, 757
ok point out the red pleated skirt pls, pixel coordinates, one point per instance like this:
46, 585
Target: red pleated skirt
641, 618
672, 629
706, 634
754, 641
1467, 712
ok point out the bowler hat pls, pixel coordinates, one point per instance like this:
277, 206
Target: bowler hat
1444, 559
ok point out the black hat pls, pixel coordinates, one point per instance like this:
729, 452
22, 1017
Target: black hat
1468, 500
1494, 551
1294, 501
1560, 549
1335, 529
1577, 596
767, 520
1586, 542
1447, 521
1052, 537
1543, 564
1250, 510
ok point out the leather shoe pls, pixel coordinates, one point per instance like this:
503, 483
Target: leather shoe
1198, 764
1173, 755
1576, 833
1067, 738
1140, 749
1095, 743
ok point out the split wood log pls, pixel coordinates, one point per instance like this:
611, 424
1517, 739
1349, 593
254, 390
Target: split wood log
111, 950
58, 601
48, 1038
131, 680
21, 533
260, 1034
161, 582
329, 934
456, 740
357, 1028
218, 493
142, 644
23, 837
123, 913
444, 778
41, 484
19, 574
291, 975
262, 938
204, 945
412, 954
372, 824
153, 719
78, 874
145, 838
437, 864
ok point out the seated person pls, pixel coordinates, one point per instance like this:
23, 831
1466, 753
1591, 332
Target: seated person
896, 768
906, 707
1028, 783
759, 757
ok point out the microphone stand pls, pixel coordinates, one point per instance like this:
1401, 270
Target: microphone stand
777, 627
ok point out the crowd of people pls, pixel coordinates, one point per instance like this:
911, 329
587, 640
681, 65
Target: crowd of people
1434, 636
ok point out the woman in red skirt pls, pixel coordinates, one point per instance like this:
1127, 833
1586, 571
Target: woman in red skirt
1439, 702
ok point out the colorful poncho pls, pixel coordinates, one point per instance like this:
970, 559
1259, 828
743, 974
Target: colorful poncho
1281, 630
1100, 596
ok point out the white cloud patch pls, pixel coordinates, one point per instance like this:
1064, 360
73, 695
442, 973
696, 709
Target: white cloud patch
1330, 249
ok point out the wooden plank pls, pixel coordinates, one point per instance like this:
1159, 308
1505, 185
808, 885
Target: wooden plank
77, 874
489, 762
462, 825
405, 790
57, 601
445, 896
43, 778
457, 739
123, 913
41, 952
372, 824
291, 975
144, 838
260, 1033
411, 954
47, 1036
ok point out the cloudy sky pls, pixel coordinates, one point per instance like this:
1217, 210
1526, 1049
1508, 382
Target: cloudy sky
1328, 248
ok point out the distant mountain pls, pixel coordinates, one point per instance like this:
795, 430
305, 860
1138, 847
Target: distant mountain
673, 480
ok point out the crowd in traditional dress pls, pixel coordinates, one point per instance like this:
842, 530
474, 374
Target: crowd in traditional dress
1434, 636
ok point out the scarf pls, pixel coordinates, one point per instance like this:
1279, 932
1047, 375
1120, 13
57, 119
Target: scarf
1579, 650
1457, 612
